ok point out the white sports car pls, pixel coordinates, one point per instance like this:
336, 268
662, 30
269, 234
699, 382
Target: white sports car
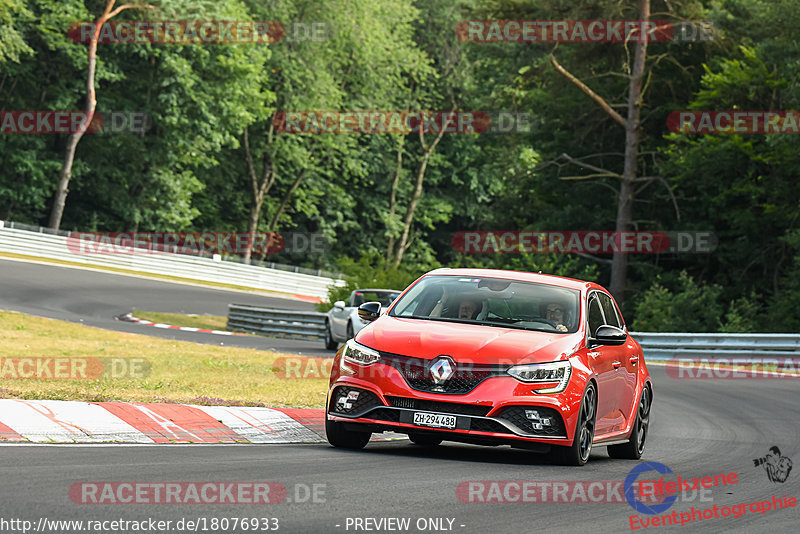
342, 321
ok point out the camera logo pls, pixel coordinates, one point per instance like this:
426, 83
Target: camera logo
777, 467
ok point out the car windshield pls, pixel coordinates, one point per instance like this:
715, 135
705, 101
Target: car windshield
384, 297
492, 302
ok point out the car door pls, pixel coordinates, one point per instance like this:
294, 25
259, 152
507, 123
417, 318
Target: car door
339, 318
627, 373
600, 359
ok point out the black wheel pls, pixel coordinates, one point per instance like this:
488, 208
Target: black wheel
330, 343
578, 452
350, 333
424, 440
633, 449
340, 437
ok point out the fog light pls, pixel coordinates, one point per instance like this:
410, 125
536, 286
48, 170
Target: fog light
344, 402
537, 422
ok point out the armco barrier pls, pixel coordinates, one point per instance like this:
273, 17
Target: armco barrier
276, 323
45, 243
660, 346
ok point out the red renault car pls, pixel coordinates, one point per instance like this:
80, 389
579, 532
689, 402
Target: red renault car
494, 357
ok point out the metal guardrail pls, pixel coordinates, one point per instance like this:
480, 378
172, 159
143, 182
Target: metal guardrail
276, 323
226, 257
660, 346
46, 243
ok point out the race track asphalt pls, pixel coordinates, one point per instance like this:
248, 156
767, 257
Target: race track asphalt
699, 428
95, 298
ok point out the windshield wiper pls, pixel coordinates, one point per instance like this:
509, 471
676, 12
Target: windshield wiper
510, 324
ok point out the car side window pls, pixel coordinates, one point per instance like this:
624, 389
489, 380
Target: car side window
595, 316
609, 310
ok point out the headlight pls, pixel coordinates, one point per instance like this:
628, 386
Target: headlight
358, 354
540, 373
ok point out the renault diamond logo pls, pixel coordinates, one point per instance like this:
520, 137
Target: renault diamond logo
442, 369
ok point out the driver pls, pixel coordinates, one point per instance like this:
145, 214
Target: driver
555, 314
469, 309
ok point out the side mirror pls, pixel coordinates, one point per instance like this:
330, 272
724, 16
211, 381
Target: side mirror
339, 304
369, 311
610, 335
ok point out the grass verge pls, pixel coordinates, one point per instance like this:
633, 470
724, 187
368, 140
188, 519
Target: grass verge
180, 371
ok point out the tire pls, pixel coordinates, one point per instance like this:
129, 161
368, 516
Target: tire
578, 453
424, 440
330, 343
341, 438
633, 449
350, 334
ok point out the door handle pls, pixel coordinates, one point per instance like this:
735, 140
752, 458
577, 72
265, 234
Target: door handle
634, 360
616, 364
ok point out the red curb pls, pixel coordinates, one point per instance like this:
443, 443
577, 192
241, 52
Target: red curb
312, 419
173, 423
131, 319
315, 300
8, 434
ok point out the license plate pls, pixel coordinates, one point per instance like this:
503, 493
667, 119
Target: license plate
437, 420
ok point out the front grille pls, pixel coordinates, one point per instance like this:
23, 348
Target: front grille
545, 421
384, 414
343, 405
465, 378
439, 406
488, 425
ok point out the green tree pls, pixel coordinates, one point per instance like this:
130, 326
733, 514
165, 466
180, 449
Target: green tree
12, 44
690, 307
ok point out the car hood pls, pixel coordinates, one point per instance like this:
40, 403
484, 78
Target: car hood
466, 342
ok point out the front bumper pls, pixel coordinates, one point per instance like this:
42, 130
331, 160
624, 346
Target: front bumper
499, 410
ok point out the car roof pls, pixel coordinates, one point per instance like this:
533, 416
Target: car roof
379, 290
522, 276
